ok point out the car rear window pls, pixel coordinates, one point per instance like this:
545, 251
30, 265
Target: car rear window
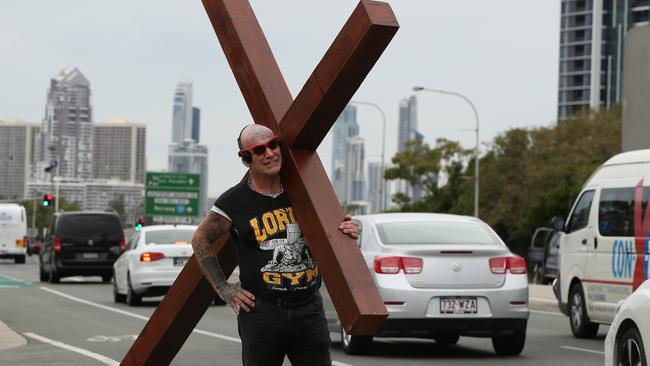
169, 236
89, 225
426, 232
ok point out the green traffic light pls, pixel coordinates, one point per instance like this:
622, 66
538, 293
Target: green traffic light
45, 203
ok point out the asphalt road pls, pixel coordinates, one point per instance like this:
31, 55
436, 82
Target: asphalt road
77, 323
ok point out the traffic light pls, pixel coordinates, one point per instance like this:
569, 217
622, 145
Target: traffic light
47, 200
139, 224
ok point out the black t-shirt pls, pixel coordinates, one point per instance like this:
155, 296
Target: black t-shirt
274, 259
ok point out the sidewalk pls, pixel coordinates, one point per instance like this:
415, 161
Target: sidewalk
9, 338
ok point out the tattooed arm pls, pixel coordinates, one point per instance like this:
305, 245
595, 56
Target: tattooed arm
209, 237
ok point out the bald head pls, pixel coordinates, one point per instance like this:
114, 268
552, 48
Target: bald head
254, 132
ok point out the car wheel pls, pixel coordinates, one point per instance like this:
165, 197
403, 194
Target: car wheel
132, 298
538, 274
447, 339
511, 345
117, 297
629, 349
19, 259
355, 345
581, 326
54, 277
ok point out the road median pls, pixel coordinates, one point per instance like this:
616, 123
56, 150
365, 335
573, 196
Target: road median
9, 338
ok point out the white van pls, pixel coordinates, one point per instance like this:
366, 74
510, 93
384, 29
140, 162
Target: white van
13, 232
604, 244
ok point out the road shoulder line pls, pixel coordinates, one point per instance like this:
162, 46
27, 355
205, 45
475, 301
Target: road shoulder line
103, 359
583, 350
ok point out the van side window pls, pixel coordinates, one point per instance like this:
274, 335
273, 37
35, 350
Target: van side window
616, 211
580, 216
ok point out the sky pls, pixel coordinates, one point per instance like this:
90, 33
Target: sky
502, 54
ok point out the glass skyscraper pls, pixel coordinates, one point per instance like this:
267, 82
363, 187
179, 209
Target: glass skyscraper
592, 34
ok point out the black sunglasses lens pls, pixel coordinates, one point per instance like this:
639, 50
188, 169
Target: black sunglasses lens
273, 144
259, 150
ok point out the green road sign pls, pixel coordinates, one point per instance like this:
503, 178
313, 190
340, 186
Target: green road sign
172, 194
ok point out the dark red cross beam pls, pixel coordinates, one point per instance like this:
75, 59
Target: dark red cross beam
302, 124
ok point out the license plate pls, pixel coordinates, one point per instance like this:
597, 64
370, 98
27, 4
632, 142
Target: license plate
458, 305
180, 261
90, 256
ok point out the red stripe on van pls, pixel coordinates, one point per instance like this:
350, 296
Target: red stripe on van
607, 282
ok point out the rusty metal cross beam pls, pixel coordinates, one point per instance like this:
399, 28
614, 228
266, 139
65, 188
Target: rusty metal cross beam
302, 124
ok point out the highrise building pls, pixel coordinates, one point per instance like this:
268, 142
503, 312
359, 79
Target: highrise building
408, 121
346, 126
636, 91
16, 157
119, 151
196, 124
66, 132
190, 157
408, 131
182, 116
355, 177
592, 34
375, 189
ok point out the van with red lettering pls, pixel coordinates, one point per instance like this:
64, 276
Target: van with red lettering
604, 242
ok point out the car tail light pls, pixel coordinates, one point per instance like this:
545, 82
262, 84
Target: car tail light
516, 265
392, 265
57, 244
412, 265
151, 256
20, 243
122, 244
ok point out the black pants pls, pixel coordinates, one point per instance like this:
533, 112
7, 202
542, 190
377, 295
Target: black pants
270, 332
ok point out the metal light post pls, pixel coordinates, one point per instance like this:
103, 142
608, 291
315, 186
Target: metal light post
476, 150
382, 186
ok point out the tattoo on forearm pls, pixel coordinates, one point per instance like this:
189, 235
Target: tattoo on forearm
205, 242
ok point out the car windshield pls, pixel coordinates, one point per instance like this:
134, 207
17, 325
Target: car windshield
169, 236
427, 232
88, 225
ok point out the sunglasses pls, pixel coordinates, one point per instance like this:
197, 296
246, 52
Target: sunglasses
260, 149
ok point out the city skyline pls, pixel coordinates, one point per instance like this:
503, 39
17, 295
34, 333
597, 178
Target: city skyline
157, 47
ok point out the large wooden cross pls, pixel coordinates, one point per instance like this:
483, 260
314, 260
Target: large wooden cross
301, 124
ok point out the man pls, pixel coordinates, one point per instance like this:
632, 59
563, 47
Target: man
278, 293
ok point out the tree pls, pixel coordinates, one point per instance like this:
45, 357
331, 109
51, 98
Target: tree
421, 165
44, 214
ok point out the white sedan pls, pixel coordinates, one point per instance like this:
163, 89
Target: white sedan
151, 262
629, 334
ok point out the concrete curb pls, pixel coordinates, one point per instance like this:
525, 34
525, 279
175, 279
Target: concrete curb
542, 298
9, 338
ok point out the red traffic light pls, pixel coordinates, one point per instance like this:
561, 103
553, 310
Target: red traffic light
141, 221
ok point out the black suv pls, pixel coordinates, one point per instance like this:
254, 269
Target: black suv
85, 243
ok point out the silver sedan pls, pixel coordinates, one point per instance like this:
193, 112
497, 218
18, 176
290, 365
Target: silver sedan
442, 276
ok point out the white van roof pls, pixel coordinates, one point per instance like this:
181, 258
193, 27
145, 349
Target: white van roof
636, 156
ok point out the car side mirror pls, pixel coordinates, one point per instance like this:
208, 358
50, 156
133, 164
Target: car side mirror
557, 223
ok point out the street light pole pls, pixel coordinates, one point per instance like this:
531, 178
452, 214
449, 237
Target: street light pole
476, 150
382, 186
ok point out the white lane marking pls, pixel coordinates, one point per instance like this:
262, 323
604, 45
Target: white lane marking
338, 363
546, 313
198, 331
127, 313
583, 350
9, 286
103, 359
